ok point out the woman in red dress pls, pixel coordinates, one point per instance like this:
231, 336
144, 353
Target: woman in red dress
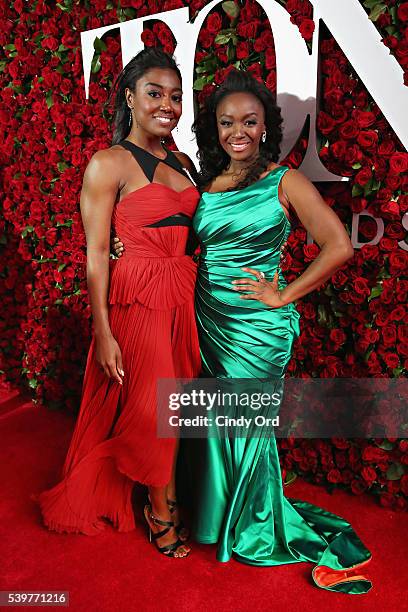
143, 314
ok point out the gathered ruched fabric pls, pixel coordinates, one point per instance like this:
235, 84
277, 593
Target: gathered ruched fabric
241, 504
151, 314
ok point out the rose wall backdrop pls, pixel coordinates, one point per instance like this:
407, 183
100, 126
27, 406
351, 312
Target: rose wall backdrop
353, 327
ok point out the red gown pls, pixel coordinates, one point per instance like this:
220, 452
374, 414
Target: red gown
151, 313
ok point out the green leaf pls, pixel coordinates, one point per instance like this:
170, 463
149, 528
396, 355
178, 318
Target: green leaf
392, 30
222, 39
62, 166
357, 190
27, 230
395, 471
61, 267
96, 64
369, 4
63, 8
131, 13
385, 445
289, 478
321, 315
231, 51
201, 82
231, 8
375, 292
377, 11
356, 166
2, 66
48, 99
99, 45
32, 383
9, 47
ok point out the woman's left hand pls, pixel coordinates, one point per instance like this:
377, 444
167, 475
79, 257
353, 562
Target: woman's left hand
261, 289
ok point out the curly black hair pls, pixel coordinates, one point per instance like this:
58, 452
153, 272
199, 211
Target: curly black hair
212, 157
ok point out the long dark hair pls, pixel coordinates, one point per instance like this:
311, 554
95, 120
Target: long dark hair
212, 157
131, 73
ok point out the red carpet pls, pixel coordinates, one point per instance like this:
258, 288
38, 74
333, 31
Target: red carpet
123, 572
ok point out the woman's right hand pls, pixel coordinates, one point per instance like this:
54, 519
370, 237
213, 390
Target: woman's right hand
117, 246
109, 357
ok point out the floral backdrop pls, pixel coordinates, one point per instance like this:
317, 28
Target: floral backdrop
353, 327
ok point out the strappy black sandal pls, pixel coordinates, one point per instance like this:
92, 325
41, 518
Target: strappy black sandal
169, 549
181, 530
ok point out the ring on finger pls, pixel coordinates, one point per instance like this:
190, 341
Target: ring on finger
261, 277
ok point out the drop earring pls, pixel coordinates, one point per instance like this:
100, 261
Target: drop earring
130, 116
263, 136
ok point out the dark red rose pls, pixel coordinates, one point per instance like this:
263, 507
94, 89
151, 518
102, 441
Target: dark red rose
248, 30
148, 38
389, 335
334, 476
306, 28
392, 360
363, 176
310, 251
206, 38
242, 50
325, 123
214, 23
358, 487
364, 118
374, 454
398, 261
403, 11
399, 162
349, 130
270, 58
367, 139
338, 336
271, 80
339, 278
386, 148
369, 474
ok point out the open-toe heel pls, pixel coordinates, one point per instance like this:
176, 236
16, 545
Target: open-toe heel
168, 549
181, 530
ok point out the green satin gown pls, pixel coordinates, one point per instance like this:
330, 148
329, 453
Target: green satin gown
241, 504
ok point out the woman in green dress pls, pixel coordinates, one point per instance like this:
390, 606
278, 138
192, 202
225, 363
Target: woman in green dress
247, 323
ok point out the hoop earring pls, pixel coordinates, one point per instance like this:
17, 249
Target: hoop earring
263, 136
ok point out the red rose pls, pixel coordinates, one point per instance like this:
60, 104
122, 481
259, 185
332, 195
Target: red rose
369, 474
334, 476
392, 360
399, 162
325, 123
214, 23
271, 80
206, 38
360, 286
310, 251
398, 261
367, 139
403, 11
363, 176
374, 454
364, 118
148, 38
270, 58
242, 50
338, 336
339, 278
386, 148
306, 28
349, 130
389, 334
